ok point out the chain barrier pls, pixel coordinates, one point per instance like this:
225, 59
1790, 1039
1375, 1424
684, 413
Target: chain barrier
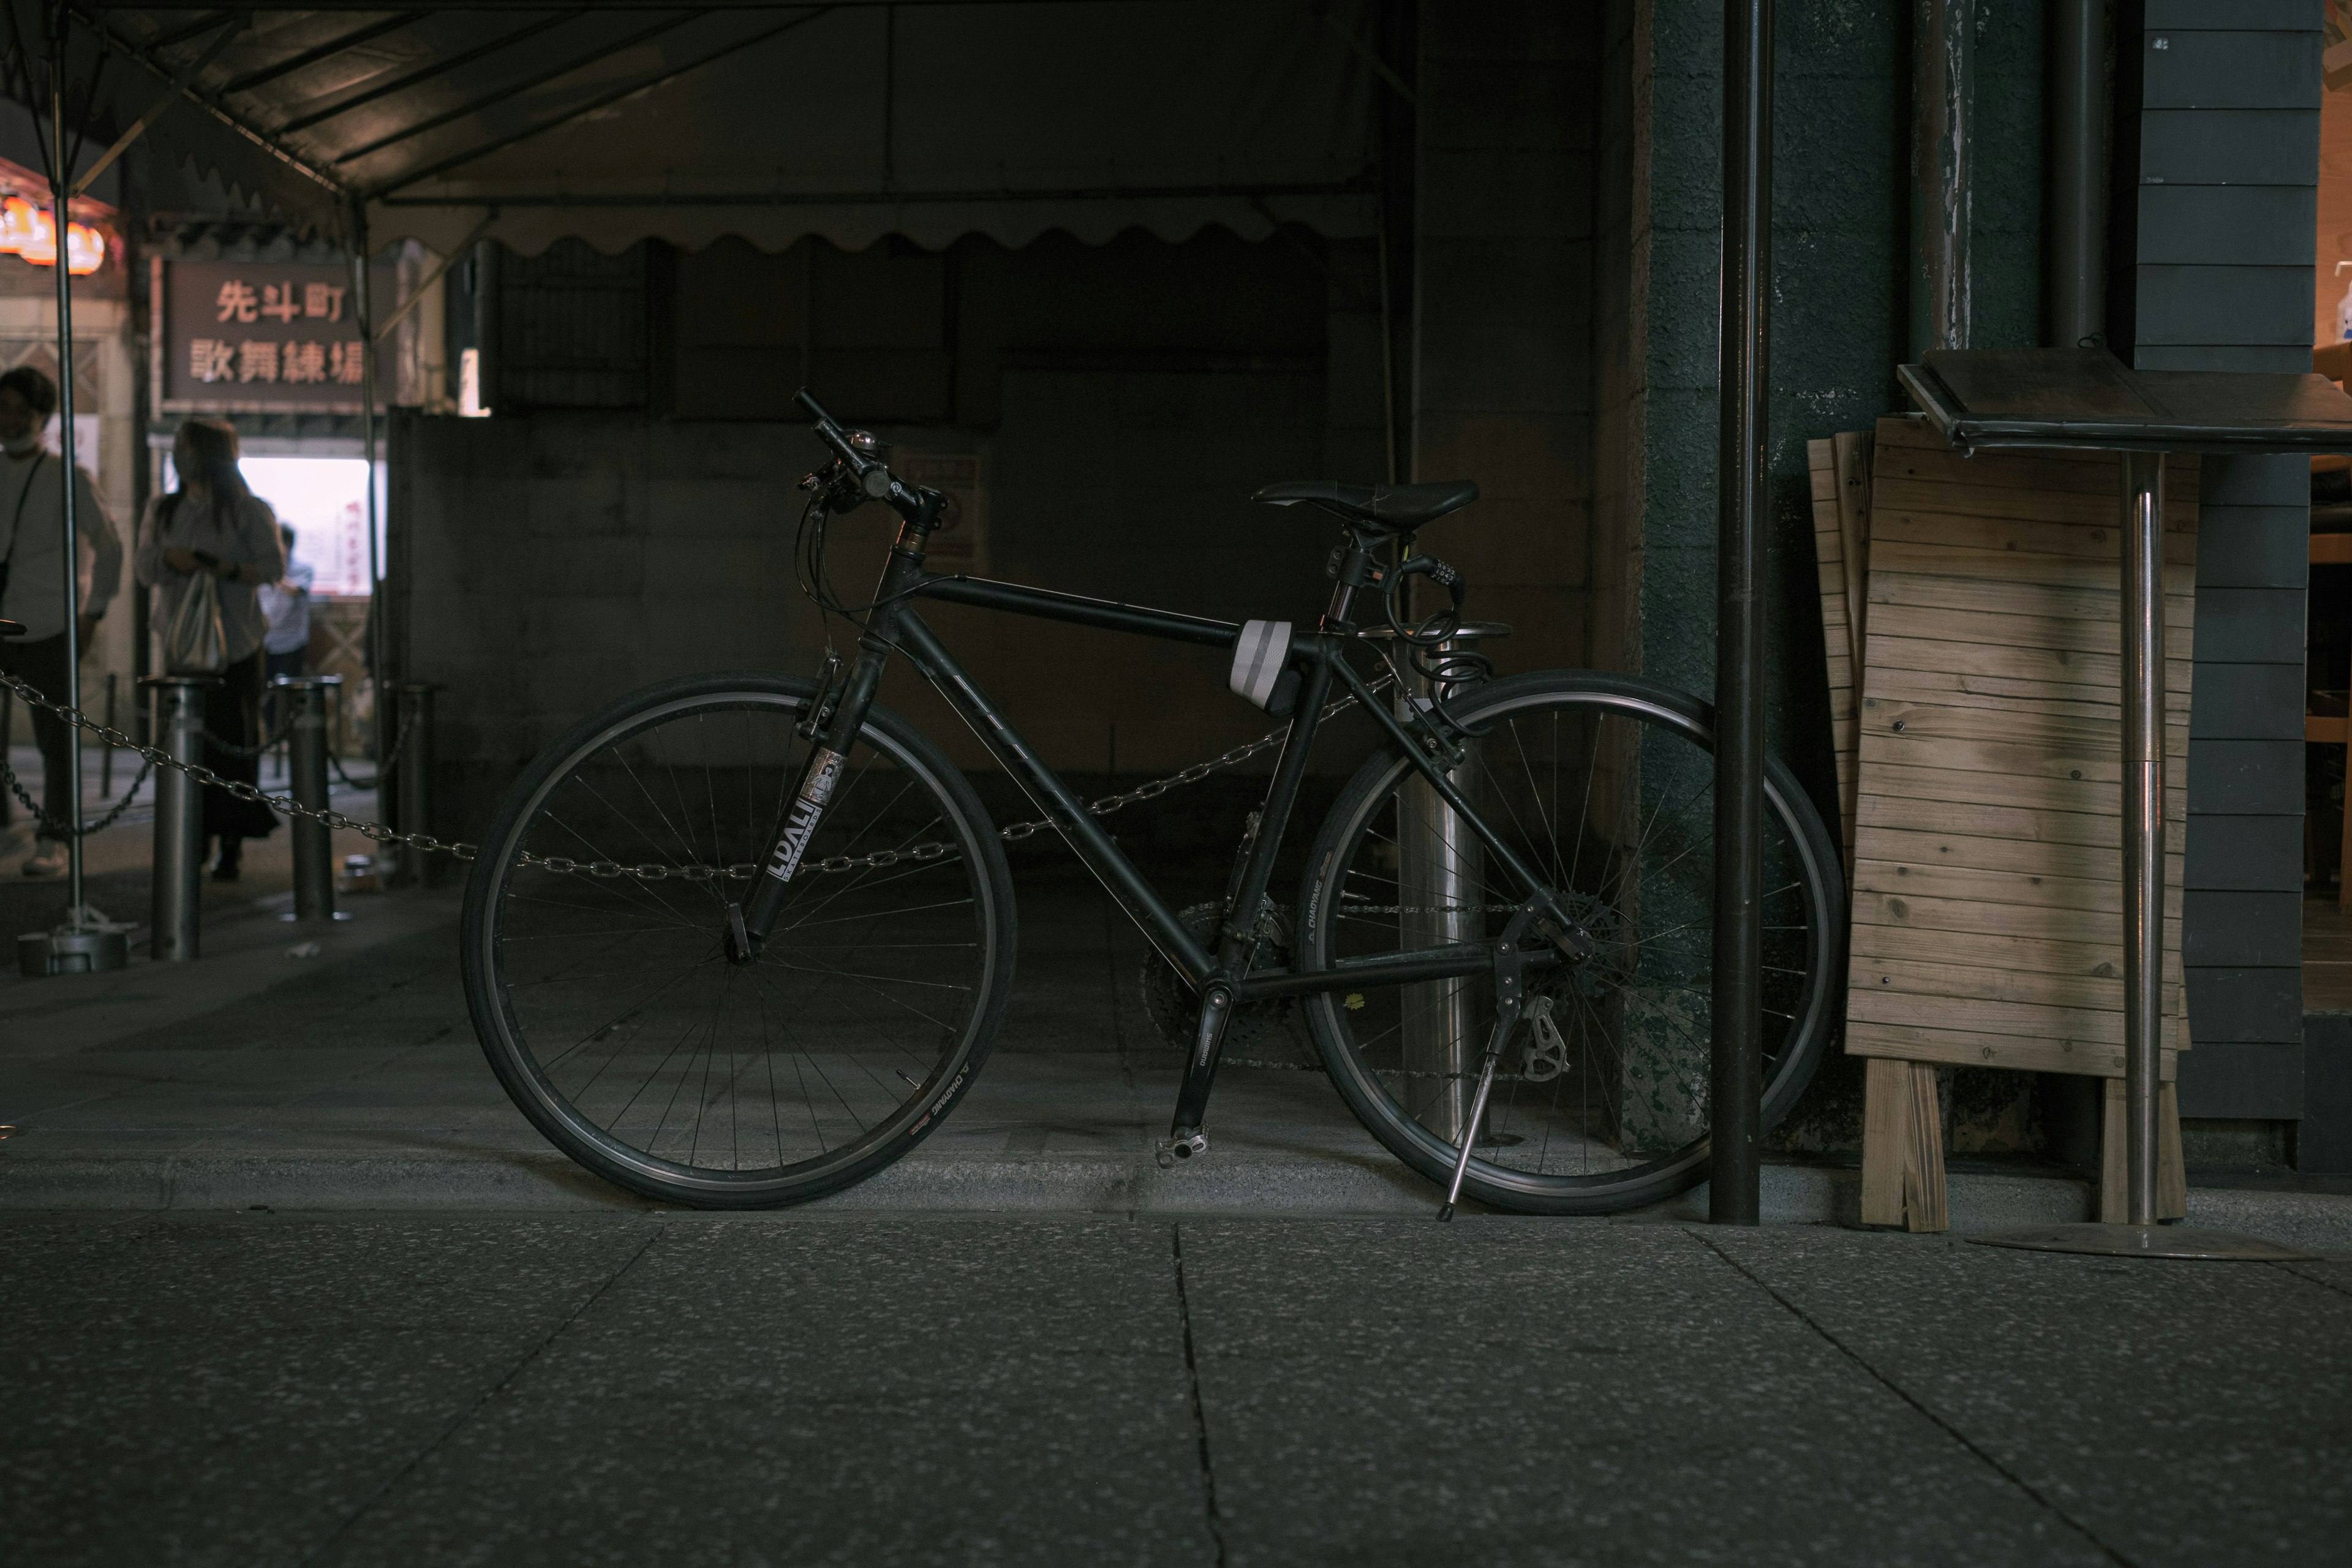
399, 742
49, 827
232, 749
608, 870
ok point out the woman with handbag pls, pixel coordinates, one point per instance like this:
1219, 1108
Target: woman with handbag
205, 549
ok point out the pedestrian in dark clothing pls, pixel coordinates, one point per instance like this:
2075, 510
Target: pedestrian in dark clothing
214, 525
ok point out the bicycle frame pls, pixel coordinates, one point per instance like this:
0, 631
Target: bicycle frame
895, 626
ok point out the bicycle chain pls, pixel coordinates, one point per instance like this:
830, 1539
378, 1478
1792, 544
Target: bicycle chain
608, 870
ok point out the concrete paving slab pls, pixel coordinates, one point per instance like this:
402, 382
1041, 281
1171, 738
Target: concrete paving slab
209, 1392
2181, 1412
1591, 1393
260, 1388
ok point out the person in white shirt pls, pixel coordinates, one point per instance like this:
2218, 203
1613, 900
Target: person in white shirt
214, 525
33, 585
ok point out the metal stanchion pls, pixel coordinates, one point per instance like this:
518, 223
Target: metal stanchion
306, 696
2141, 1234
106, 748
179, 731
1441, 872
412, 779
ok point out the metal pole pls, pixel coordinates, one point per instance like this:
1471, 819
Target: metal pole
1943, 95
1736, 1072
2077, 261
177, 908
69, 811
1441, 875
314, 847
364, 291
106, 748
2143, 789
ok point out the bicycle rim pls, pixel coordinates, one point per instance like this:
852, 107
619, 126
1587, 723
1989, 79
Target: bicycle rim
1605, 786
604, 994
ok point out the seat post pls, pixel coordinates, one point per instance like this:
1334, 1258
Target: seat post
1356, 570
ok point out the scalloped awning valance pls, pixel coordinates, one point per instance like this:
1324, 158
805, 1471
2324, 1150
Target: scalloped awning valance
615, 123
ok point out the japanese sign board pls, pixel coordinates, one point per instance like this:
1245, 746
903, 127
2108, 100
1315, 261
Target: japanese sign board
255, 336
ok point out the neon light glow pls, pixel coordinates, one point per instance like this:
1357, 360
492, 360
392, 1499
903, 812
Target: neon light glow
26, 231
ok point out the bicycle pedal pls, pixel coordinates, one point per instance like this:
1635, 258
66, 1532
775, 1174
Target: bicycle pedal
1174, 1149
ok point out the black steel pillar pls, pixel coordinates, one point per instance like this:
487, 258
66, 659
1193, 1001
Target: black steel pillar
1737, 1068
2076, 264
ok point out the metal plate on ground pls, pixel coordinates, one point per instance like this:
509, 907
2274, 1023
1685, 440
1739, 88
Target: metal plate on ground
2180, 1241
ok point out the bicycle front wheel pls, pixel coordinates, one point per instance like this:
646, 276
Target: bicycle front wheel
595, 950
1604, 786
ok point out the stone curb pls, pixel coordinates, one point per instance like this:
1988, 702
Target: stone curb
527, 1182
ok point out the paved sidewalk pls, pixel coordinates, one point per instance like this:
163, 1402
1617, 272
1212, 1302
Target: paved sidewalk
351, 1080
257, 1390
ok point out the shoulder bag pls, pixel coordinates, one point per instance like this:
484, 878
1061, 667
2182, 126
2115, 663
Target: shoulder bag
194, 644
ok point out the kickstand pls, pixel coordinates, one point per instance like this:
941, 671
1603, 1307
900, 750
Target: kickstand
1511, 996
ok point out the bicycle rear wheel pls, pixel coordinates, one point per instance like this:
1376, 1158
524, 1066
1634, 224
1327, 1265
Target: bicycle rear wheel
1604, 786
596, 957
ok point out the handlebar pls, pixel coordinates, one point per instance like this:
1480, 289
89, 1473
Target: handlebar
874, 480
833, 436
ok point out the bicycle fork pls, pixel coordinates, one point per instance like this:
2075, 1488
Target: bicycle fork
747, 929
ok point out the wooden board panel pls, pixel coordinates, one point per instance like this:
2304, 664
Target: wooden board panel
2050, 922
1997, 693
2085, 572
2009, 953
1850, 452
2017, 1053
1987, 810
1840, 582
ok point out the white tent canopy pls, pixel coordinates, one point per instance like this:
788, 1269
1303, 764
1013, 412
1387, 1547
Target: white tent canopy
616, 123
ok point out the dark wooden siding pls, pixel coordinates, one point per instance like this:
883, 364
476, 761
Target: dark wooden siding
2218, 171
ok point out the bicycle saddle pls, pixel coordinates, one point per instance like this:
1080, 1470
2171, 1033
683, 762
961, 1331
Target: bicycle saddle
1396, 507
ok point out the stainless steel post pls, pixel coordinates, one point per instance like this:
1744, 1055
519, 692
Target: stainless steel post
2139, 1234
179, 729
413, 777
2143, 788
1441, 883
305, 697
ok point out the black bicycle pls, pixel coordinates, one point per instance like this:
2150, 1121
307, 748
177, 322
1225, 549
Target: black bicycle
741, 940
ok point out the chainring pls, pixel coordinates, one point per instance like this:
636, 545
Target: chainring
1174, 1007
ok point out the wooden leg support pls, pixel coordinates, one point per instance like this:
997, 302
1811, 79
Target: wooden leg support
1903, 1147
2171, 1174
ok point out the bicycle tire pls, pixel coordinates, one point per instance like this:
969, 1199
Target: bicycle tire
1654, 1158
826, 1021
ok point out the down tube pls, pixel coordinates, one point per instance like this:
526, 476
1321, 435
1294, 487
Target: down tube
1084, 836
